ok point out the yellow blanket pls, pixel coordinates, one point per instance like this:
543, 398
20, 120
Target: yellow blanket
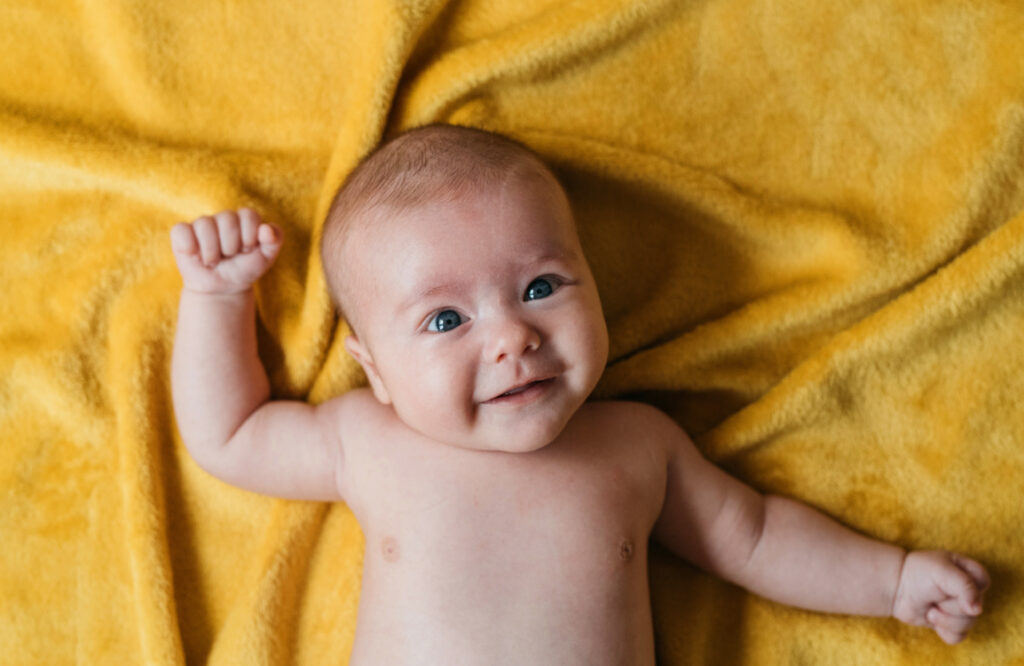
805, 220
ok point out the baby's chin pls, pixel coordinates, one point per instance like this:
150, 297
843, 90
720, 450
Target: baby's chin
526, 438
517, 445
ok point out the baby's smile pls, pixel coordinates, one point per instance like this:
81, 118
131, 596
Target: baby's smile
523, 393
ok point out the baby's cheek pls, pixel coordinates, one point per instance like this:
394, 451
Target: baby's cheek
590, 348
444, 391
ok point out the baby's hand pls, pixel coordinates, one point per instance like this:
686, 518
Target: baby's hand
225, 253
942, 591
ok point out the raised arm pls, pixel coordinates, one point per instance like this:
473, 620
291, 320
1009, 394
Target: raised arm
788, 552
220, 388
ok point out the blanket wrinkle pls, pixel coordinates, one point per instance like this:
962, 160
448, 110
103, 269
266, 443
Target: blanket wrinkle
806, 221
532, 48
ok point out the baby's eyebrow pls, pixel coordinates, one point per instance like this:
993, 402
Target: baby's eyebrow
416, 297
448, 287
552, 256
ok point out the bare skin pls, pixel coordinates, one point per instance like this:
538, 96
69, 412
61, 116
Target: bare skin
487, 557
504, 527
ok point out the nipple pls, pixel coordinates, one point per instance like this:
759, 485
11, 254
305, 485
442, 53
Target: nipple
389, 549
625, 550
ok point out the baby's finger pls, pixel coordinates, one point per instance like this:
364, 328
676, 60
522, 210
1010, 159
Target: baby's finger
183, 240
956, 582
951, 628
249, 220
974, 569
953, 606
209, 240
950, 637
270, 240
227, 230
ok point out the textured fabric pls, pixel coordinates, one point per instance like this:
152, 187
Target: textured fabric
804, 220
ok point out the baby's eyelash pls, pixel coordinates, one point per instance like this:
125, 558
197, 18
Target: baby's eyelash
444, 320
554, 283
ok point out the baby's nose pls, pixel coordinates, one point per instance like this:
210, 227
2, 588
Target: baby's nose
510, 339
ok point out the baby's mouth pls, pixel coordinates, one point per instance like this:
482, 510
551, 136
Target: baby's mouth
524, 391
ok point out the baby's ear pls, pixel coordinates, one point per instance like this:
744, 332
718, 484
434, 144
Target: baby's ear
354, 347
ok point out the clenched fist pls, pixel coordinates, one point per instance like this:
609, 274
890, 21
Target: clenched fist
942, 591
225, 253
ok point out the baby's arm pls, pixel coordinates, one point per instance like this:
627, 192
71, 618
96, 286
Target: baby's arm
793, 554
220, 388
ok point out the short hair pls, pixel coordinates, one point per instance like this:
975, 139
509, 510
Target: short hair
431, 163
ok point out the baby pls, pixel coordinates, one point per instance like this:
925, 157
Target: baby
506, 518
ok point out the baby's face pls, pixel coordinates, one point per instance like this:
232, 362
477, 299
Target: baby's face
479, 319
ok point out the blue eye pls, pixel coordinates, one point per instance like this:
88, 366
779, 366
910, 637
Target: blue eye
539, 288
445, 320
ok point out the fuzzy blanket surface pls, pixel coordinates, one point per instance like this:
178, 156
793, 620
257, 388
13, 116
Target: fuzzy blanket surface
805, 220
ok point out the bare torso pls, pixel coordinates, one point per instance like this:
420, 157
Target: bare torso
492, 558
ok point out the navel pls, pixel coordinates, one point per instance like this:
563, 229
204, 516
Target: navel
389, 549
626, 550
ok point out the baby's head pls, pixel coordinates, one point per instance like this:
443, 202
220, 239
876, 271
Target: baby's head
453, 255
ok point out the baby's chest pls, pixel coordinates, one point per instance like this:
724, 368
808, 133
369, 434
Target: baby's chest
564, 515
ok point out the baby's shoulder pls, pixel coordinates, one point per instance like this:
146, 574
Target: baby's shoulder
354, 400
624, 412
628, 421
357, 414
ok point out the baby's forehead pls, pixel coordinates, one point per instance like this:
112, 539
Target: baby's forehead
443, 228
